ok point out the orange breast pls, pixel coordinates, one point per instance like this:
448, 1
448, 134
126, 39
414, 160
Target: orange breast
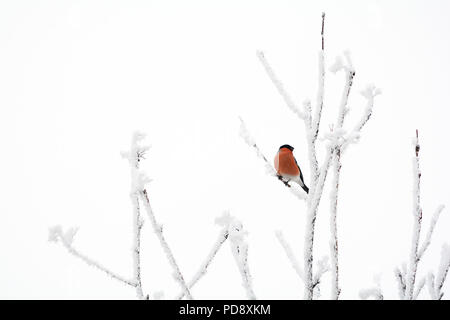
285, 163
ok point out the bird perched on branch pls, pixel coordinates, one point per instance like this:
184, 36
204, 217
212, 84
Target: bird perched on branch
287, 167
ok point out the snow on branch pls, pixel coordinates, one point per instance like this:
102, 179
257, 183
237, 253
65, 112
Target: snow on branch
322, 267
370, 92
433, 223
409, 289
158, 230
57, 235
290, 254
239, 248
138, 180
270, 170
435, 283
223, 236
279, 85
321, 86
374, 293
400, 276
417, 213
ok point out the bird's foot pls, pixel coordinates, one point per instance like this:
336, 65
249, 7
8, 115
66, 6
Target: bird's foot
286, 183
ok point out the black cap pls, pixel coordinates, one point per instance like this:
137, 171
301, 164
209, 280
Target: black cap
287, 147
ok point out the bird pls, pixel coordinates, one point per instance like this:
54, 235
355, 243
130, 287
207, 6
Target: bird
287, 167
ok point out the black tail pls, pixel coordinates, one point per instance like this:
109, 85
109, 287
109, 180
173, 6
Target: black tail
305, 188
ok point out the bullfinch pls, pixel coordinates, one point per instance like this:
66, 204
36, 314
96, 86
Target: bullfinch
287, 167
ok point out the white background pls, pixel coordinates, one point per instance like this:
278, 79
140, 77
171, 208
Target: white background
78, 77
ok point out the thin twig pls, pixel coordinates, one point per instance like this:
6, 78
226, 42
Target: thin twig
417, 212
279, 85
204, 267
95, 264
290, 255
158, 231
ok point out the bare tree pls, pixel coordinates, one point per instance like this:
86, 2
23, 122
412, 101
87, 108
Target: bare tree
337, 140
231, 228
409, 287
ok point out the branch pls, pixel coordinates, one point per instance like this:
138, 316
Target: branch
443, 270
239, 249
417, 212
223, 236
134, 156
322, 267
157, 228
401, 282
369, 93
321, 85
313, 204
375, 292
291, 105
334, 242
290, 255
431, 286
419, 288
314, 165
56, 234
433, 223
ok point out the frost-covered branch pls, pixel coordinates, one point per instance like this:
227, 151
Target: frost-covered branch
270, 170
409, 289
322, 267
374, 293
417, 213
290, 255
433, 223
338, 141
138, 179
56, 235
313, 204
291, 105
239, 248
334, 242
419, 288
435, 283
223, 236
158, 230
321, 86
400, 276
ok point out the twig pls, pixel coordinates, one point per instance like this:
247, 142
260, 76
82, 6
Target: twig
159, 233
279, 85
223, 236
401, 282
239, 249
435, 284
290, 255
433, 223
58, 236
134, 156
417, 212
310, 223
371, 292
419, 288
321, 86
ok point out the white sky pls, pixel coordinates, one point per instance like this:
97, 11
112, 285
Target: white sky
78, 77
